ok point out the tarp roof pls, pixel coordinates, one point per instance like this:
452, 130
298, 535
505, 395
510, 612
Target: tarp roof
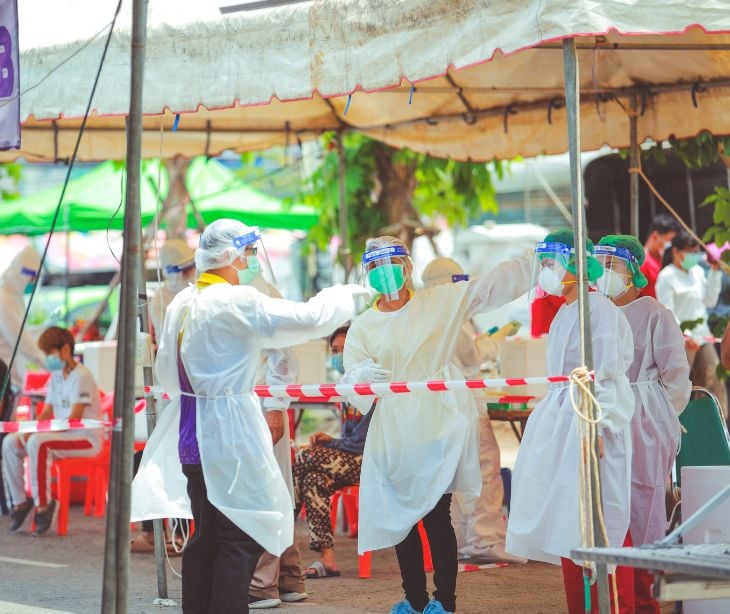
95, 201
488, 75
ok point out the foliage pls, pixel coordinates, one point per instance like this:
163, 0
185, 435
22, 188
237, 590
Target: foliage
697, 152
10, 175
690, 325
388, 188
719, 232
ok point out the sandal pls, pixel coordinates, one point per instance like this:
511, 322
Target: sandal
140, 545
318, 570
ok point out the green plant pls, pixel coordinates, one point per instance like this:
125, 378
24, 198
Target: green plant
10, 175
719, 232
394, 191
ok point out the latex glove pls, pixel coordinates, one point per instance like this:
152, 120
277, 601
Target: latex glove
373, 373
506, 331
275, 420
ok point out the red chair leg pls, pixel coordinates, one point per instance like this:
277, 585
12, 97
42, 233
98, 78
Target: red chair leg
364, 564
90, 494
101, 483
350, 503
334, 504
427, 562
63, 487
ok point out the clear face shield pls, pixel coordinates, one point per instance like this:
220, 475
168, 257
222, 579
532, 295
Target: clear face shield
386, 270
549, 269
256, 256
177, 277
618, 270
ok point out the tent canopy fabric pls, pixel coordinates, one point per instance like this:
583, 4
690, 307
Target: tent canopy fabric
95, 201
488, 76
216, 192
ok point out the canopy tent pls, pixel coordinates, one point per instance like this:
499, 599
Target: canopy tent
216, 192
489, 80
92, 201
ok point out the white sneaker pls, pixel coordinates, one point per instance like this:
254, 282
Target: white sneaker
254, 603
495, 554
293, 597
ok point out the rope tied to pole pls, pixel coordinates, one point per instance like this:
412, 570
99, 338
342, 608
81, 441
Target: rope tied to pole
589, 412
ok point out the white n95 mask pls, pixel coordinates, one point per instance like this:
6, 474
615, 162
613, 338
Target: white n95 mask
550, 282
612, 284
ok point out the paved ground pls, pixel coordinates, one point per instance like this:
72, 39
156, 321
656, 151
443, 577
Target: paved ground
63, 574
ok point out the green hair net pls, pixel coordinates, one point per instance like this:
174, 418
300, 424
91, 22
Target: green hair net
637, 251
565, 236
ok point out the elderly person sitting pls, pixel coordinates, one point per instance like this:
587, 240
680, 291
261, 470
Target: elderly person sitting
325, 467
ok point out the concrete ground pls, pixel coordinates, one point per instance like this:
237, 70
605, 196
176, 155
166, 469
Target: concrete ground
63, 575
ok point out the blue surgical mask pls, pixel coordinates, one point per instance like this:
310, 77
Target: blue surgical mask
54, 362
337, 363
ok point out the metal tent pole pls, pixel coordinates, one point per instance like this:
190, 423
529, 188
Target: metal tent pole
116, 556
572, 97
344, 238
151, 413
634, 162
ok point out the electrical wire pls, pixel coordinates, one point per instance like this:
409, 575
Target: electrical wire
82, 128
114, 215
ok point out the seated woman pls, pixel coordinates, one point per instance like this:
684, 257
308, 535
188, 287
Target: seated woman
326, 466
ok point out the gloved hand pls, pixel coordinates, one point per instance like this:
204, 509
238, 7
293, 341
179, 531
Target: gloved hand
373, 373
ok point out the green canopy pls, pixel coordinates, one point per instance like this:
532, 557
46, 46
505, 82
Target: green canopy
91, 201
216, 192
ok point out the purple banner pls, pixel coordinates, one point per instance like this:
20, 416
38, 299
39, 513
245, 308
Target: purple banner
9, 76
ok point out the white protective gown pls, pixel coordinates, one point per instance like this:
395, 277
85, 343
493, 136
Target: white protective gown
659, 377
278, 368
421, 446
544, 521
12, 309
225, 330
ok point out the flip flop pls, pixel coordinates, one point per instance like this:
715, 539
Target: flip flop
317, 570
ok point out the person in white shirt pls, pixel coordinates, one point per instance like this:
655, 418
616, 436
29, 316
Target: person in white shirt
72, 394
685, 289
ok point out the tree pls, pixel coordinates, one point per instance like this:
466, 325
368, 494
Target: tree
391, 191
10, 175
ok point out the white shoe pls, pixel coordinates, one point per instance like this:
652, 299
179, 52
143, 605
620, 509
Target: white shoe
263, 604
293, 597
495, 554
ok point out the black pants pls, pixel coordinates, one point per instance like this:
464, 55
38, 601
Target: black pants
219, 560
146, 524
442, 540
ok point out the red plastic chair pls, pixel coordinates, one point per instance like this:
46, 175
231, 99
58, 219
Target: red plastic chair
350, 496
94, 469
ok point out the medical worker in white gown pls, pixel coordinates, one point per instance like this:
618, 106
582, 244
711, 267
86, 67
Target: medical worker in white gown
480, 535
421, 447
544, 514
212, 450
660, 380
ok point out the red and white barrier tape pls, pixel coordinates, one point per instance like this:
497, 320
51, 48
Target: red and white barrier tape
330, 391
705, 339
49, 426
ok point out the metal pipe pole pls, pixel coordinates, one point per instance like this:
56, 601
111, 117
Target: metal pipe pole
116, 559
634, 162
151, 413
345, 253
572, 97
